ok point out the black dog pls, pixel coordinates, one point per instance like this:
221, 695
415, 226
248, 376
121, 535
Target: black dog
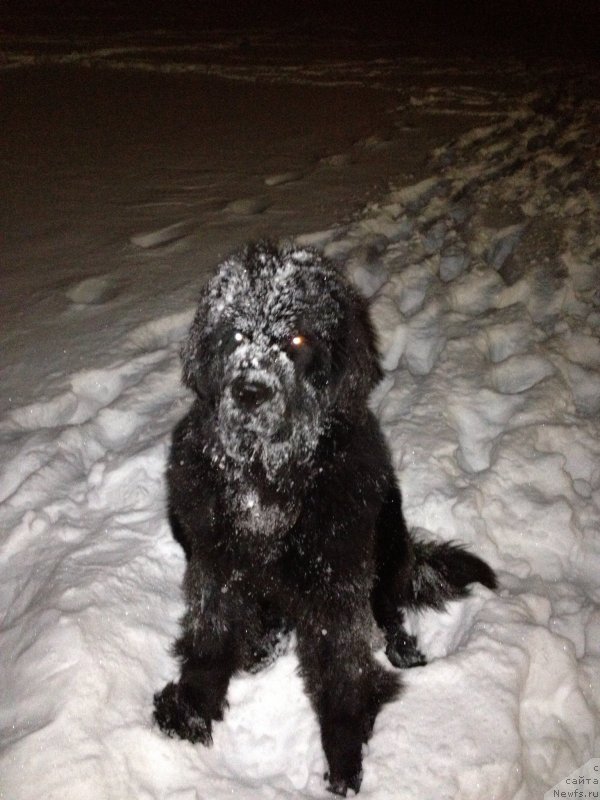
283, 496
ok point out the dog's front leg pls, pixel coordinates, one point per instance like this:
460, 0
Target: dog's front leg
210, 651
347, 688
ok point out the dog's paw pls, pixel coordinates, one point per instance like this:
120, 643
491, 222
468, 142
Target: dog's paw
341, 785
402, 651
176, 716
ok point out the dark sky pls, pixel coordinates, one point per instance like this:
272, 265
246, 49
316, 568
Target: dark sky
548, 27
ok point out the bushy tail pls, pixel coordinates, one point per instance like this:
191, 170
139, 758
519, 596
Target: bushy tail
442, 571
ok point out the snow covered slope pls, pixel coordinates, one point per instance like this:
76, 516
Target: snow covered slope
485, 287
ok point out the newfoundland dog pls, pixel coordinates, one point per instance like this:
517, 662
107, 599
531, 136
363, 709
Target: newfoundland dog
283, 497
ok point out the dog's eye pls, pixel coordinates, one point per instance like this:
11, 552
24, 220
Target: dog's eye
237, 338
300, 349
229, 341
298, 341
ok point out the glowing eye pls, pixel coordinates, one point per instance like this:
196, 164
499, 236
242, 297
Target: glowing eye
238, 336
298, 341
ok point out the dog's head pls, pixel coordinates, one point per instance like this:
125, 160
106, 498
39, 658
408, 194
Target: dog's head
280, 347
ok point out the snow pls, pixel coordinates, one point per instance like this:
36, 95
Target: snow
482, 268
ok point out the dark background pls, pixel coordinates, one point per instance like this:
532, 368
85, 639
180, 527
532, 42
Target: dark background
470, 27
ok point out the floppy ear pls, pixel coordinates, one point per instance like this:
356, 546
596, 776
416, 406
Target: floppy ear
194, 351
370, 359
200, 367
360, 358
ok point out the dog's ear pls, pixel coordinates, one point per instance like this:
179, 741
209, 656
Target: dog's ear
200, 366
362, 370
370, 350
194, 350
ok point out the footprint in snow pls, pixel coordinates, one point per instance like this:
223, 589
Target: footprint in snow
584, 385
326, 239
336, 160
375, 143
509, 338
479, 420
162, 236
519, 372
93, 291
248, 206
150, 346
425, 340
502, 245
454, 260
475, 292
284, 177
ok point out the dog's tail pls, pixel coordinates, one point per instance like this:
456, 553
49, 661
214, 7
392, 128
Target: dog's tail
442, 571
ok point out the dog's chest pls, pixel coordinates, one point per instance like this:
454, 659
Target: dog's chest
256, 515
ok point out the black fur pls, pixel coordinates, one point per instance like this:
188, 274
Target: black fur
283, 496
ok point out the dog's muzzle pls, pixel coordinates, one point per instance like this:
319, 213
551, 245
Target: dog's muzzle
253, 404
250, 394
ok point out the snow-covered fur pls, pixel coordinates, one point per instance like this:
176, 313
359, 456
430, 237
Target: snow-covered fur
283, 496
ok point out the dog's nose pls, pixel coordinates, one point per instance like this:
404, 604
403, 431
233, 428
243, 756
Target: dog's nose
250, 394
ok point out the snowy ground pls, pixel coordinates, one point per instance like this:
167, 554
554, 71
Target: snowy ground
484, 273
